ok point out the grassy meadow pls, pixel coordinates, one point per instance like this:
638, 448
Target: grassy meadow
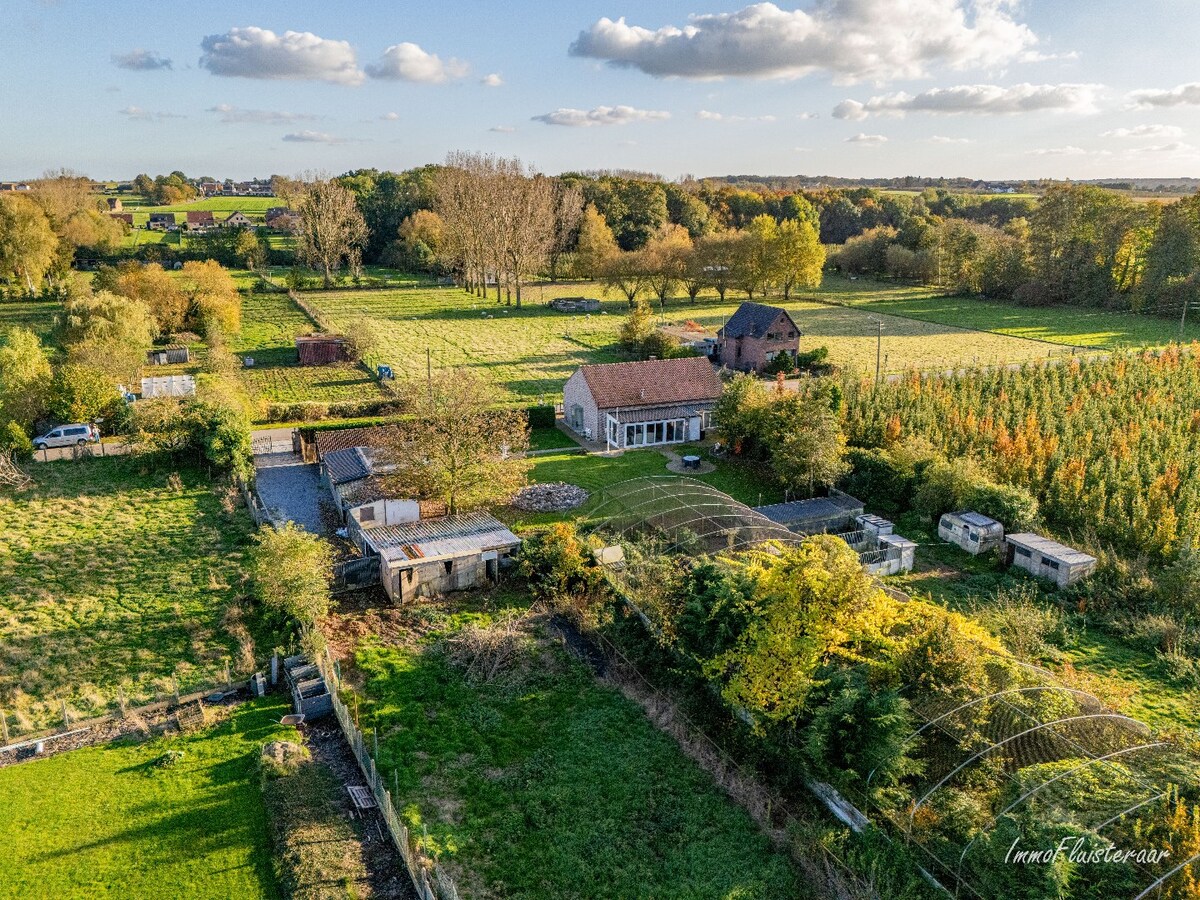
113, 821
36, 315
543, 782
116, 578
1072, 327
530, 352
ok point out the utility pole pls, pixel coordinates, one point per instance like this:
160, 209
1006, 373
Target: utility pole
429, 372
1183, 319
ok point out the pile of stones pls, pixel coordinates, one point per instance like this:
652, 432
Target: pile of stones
556, 496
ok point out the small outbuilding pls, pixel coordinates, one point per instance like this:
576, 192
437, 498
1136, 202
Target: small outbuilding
972, 531
1048, 559
815, 515
435, 556
167, 356
321, 349
168, 386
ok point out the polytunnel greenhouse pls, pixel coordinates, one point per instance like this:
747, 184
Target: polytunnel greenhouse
1012, 763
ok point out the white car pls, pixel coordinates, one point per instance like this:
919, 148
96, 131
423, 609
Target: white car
67, 436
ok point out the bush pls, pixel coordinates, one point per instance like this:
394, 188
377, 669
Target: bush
877, 475
541, 416
1007, 503
561, 570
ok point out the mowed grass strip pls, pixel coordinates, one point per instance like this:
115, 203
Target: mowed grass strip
36, 315
553, 785
112, 821
530, 352
114, 577
1070, 326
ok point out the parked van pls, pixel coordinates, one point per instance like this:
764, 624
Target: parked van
67, 436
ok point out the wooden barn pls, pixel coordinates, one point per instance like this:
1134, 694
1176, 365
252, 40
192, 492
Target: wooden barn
321, 349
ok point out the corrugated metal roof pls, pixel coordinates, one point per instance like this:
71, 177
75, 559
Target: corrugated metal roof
1050, 548
345, 466
797, 512
445, 538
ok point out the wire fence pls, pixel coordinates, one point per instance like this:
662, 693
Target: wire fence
429, 879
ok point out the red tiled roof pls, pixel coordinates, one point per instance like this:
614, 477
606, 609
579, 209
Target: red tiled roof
655, 382
200, 217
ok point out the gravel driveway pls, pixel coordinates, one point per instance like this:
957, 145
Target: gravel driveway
291, 489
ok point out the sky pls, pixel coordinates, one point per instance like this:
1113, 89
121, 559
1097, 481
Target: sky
992, 89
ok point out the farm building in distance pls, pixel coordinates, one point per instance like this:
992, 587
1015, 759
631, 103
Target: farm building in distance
431, 556
166, 356
641, 404
755, 335
1045, 558
320, 349
972, 531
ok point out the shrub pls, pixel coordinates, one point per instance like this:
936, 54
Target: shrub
560, 570
1016, 507
876, 474
541, 416
1027, 627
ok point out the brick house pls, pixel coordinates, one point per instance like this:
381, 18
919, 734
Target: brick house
162, 222
201, 220
237, 219
755, 335
641, 404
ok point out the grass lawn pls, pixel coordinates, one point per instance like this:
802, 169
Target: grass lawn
115, 577
545, 783
1128, 678
1070, 326
594, 473
36, 315
270, 323
108, 822
530, 352
549, 439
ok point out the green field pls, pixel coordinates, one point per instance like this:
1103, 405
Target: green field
255, 208
270, 323
1069, 326
116, 577
545, 783
36, 315
108, 822
532, 351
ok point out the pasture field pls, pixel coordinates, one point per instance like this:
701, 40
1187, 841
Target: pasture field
542, 782
36, 315
113, 821
530, 352
270, 323
116, 577
255, 208
1069, 326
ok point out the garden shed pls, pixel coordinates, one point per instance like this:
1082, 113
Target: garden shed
321, 349
433, 556
815, 515
1049, 559
972, 531
167, 356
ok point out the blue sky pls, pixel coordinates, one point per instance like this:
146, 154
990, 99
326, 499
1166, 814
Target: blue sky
982, 88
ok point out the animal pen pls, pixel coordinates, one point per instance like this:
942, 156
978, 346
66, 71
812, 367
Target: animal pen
1011, 760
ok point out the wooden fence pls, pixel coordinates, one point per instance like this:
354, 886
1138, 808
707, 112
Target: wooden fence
430, 881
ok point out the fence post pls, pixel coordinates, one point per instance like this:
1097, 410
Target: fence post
66, 717
175, 686
4, 725
121, 700
228, 677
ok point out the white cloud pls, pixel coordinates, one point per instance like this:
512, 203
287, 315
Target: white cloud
141, 61
1183, 95
145, 115
988, 99
312, 137
601, 115
709, 116
1146, 131
852, 40
492, 80
291, 56
1069, 150
233, 115
408, 62
942, 139
502, 129
809, 115
391, 117
861, 138
1175, 147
